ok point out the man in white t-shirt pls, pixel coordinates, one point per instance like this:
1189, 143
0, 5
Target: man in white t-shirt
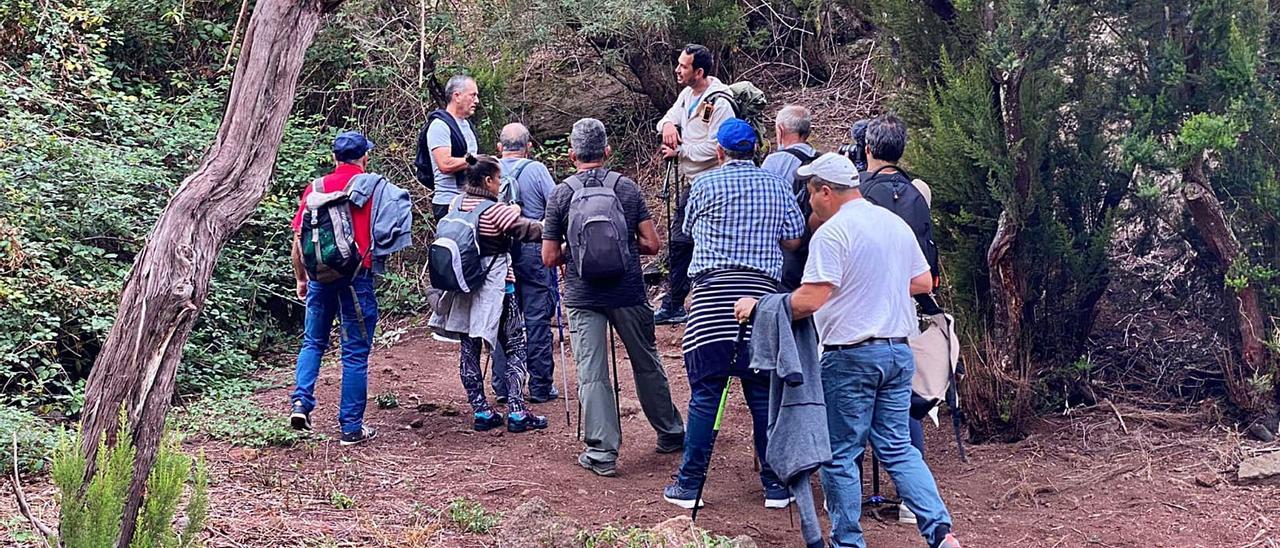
446, 141
864, 265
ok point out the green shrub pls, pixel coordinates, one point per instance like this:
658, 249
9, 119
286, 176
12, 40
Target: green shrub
232, 416
471, 517
37, 439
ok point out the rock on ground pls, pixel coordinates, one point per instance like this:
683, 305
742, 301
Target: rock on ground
680, 531
1265, 467
534, 524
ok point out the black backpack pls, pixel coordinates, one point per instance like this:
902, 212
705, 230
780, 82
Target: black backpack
793, 263
457, 145
895, 192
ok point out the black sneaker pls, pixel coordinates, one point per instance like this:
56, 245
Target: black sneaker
486, 420
502, 400
669, 316
365, 434
673, 444
525, 421
606, 469
551, 395
300, 419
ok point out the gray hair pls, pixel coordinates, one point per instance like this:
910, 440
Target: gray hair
795, 119
455, 85
514, 137
739, 155
588, 140
887, 137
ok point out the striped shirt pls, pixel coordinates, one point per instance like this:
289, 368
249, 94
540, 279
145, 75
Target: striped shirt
711, 311
498, 225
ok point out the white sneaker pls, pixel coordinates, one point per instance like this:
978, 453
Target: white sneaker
778, 503
905, 515
442, 338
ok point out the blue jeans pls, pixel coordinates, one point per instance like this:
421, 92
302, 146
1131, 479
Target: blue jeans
868, 393
534, 286
354, 300
704, 400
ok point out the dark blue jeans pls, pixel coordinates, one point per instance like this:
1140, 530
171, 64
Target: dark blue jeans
704, 400
355, 302
868, 393
535, 285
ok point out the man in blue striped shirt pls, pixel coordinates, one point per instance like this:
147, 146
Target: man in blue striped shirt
740, 218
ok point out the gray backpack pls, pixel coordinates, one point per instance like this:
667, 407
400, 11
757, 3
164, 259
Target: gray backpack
598, 235
453, 260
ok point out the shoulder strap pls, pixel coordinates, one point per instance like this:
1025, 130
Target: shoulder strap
804, 157
457, 143
611, 181
520, 165
318, 185
574, 183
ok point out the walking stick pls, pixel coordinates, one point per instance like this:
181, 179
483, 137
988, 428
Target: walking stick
715, 427
617, 387
564, 362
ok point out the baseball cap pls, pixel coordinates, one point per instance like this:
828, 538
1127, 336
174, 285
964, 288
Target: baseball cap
833, 168
351, 145
736, 135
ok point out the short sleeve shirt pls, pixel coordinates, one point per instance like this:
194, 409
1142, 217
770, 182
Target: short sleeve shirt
737, 216
438, 136
535, 184
869, 255
627, 291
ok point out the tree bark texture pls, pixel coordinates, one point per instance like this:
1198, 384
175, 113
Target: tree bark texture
167, 287
1211, 222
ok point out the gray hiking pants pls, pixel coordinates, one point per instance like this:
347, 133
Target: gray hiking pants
600, 426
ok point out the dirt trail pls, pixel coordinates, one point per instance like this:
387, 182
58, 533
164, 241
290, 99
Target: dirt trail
1078, 481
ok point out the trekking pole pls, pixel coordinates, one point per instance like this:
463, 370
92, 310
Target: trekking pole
715, 427
564, 362
617, 387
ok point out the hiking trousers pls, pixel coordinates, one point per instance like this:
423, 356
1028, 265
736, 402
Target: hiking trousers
600, 426
353, 300
534, 286
868, 393
511, 344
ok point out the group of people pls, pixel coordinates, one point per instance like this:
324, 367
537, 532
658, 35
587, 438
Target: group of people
794, 237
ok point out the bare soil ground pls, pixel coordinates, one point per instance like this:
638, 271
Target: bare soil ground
1104, 476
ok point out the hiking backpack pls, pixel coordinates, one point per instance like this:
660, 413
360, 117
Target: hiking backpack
748, 104
509, 188
423, 162
328, 239
598, 233
903, 198
453, 259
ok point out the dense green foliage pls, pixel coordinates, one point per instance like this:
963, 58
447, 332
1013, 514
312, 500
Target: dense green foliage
36, 441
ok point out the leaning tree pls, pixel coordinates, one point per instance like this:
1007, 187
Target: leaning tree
167, 287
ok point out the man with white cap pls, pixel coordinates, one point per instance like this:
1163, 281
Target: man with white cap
864, 265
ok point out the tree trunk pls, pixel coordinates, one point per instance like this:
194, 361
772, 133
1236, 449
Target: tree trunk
167, 287
1212, 224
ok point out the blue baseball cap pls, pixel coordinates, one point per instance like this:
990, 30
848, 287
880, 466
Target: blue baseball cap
351, 145
737, 135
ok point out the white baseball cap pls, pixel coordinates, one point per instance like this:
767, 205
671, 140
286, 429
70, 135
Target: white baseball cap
833, 168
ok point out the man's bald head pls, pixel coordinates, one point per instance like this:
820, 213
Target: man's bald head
514, 138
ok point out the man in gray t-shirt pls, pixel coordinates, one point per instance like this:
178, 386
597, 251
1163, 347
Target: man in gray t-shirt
445, 150
863, 267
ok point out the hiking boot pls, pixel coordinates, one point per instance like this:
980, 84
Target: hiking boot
670, 445
551, 395
905, 515
300, 419
606, 469
669, 316
777, 496
524, 421
486, 420
679, 496
364, 434
948, 541
502, 400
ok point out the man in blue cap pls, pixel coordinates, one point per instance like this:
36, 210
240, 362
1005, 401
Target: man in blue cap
741, 218
351, 297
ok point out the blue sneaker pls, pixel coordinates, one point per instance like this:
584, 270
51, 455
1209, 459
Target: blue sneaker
525, 421
679, 496
777, 496
486, 420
